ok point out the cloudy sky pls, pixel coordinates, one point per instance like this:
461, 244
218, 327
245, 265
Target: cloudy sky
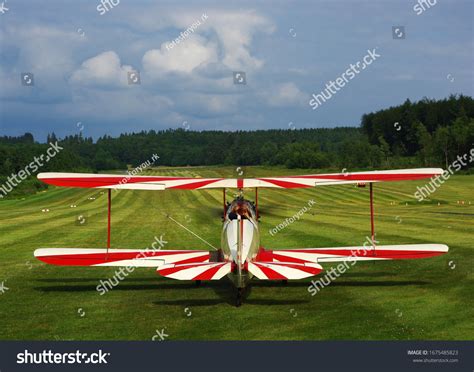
80, 62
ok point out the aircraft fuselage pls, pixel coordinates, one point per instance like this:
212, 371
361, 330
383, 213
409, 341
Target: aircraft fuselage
240, 239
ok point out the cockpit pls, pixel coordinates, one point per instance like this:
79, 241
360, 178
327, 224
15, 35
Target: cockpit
241, 207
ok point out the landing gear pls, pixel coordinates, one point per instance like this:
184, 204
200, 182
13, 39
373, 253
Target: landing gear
198, 283
238, 301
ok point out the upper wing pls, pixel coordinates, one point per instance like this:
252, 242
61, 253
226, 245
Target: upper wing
187, 183
290, 182
109, 181
360, 253
118, 257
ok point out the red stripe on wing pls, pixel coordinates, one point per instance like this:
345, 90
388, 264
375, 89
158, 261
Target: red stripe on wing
208, 274
194, 185
271, 274
264, 255
283, 258
306, 269
202, 258
284, 184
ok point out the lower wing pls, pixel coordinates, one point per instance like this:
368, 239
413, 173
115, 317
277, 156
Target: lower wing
176, 264
358, 253
119, 257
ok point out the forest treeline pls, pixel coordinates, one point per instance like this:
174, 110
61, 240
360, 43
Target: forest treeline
424, 133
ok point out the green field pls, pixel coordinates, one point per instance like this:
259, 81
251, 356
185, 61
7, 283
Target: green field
429, 299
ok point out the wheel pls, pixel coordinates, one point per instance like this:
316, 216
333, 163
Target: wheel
198, 283
284, 282
238, 300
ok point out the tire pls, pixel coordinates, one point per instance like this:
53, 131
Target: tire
238, 301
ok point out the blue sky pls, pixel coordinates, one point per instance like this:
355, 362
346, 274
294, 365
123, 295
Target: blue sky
289, 50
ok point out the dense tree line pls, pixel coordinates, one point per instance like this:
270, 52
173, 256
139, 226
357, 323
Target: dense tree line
435, 132
424, 133
303, 148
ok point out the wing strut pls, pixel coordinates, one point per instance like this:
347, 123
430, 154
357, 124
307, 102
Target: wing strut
223, 203
256, 201
109, 210
372, 226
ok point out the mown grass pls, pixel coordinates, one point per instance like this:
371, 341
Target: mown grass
428, 299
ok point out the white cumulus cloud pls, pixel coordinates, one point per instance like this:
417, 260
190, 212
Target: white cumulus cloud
225, 37
183, 57
104, 69
286, 94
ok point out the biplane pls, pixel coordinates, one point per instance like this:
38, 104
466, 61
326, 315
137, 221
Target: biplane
240, 257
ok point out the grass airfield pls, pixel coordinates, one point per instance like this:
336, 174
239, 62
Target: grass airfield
430, 299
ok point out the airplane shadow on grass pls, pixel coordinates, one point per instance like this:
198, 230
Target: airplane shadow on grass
227, 294
79, 280
224, 290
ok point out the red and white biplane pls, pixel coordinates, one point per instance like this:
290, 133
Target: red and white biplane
240, 257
